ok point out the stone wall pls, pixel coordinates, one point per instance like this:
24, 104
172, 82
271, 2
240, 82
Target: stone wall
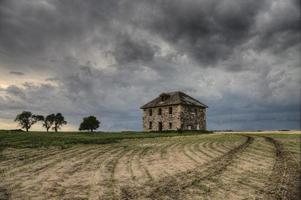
165, 118
182, 117
193, 118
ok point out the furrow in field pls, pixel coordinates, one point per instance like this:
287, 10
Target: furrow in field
44, 162
174, 187
159, 162
40, 181
202, 155
139, 174
286, 175
14, 154
189, 153
193, 157
28, 158
244, 177
194, 148
112, 189
142, 163
130, 175
206, 150
99, 176
79, 184
179, 161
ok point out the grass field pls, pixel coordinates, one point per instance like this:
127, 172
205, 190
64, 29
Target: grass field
149, 166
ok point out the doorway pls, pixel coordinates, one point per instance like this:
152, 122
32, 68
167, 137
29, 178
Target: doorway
160, 126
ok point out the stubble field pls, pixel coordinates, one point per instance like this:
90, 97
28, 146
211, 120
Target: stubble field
193, 166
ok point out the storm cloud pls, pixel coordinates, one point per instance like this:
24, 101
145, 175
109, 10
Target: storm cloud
107, 58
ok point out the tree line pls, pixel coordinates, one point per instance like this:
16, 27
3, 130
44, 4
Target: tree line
27, 119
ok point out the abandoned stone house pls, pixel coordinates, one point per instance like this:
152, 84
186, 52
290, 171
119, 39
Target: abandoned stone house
174, 111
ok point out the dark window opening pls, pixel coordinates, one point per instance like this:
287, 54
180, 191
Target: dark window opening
170, 110
164, 97
170, 125
150, 112
160, 111
150, 125
160, 126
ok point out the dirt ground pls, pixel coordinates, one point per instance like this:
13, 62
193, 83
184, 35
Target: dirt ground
214, 166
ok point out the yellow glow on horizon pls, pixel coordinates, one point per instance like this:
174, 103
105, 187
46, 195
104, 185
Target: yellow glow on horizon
8, 124
3, 85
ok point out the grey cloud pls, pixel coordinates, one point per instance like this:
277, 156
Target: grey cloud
15, 91
107, 58
128, 50
16, 73
206, 30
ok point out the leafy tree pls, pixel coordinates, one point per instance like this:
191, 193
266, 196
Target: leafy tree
38, 117
59, 121
89, 123
48, 121
26, 119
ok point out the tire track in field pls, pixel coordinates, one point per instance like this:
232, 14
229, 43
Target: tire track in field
244, 177
172, 187
142, 166
111, 191
285, 176
181, 157
130, 164
100, 177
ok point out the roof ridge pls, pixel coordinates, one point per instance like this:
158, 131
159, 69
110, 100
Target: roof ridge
176, 97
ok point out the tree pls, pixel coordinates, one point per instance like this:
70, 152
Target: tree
26, 119
59, 121
48, 121
89, 123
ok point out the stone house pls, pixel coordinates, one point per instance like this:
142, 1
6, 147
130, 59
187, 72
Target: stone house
174, 111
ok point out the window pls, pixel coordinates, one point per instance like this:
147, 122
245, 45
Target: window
150, 112
170, 125
150, 125
160, 126
164, 97
170, 110
160, 111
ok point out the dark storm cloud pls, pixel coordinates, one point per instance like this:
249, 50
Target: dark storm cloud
128, 50
16, 73
109, 57
36, 30
208, 31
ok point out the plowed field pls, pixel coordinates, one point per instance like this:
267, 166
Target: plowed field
209, 166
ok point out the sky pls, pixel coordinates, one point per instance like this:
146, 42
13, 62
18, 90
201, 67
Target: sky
108, 58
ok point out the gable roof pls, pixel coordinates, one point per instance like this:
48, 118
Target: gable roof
173, 98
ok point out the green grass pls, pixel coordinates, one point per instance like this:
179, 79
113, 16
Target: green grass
67, 139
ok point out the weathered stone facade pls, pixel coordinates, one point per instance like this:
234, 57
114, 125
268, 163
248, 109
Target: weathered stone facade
177, 116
